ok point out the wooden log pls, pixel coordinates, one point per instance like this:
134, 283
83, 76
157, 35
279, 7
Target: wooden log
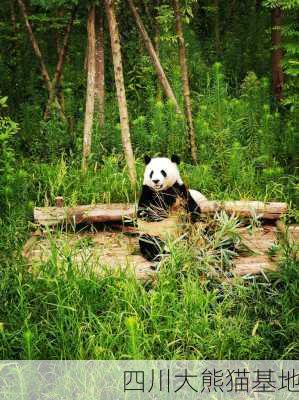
242, 208
253, 265
259, 240
289, 233
47, 216
117, 212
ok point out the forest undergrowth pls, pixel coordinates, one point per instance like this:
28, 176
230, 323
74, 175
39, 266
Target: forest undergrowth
247, 150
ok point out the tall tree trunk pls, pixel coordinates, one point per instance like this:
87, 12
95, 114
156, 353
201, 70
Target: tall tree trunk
90, 90
120, 89
277, 54
59, 68
153, 55
185, 79
100, 65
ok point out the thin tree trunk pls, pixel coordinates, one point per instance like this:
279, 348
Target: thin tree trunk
35, 46
38, 54
277, 54
59, 44
90, 90
157, 47
120, 89
60, 14
153, 55
100, 65
59, 68
185, 79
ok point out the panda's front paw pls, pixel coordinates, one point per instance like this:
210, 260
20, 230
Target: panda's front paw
195, 215
151, 247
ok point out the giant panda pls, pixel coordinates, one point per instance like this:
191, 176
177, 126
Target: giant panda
162, 188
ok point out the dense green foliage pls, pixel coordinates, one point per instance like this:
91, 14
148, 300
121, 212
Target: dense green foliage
248, 148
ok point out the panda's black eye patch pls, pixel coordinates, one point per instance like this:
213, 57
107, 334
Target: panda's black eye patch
163, 173
151, 174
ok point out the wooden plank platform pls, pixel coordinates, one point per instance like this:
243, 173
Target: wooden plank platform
95, 250
120, 248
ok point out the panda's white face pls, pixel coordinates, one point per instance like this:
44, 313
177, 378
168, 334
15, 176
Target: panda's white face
161, 174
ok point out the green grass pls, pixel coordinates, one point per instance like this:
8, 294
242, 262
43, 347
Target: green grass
64, 313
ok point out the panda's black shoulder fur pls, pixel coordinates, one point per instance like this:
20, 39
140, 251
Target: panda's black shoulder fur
155, 205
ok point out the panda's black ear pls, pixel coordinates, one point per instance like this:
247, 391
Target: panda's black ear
175, 159
147, 159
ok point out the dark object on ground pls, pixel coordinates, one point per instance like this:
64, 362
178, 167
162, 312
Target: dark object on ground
151, 247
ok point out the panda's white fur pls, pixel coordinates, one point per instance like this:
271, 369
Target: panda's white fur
154, 178
197, 196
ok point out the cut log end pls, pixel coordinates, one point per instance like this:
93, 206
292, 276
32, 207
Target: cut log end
59, 201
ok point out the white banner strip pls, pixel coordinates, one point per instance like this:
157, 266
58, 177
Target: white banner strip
95, 380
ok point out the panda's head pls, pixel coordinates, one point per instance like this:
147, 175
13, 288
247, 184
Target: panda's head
161, 173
